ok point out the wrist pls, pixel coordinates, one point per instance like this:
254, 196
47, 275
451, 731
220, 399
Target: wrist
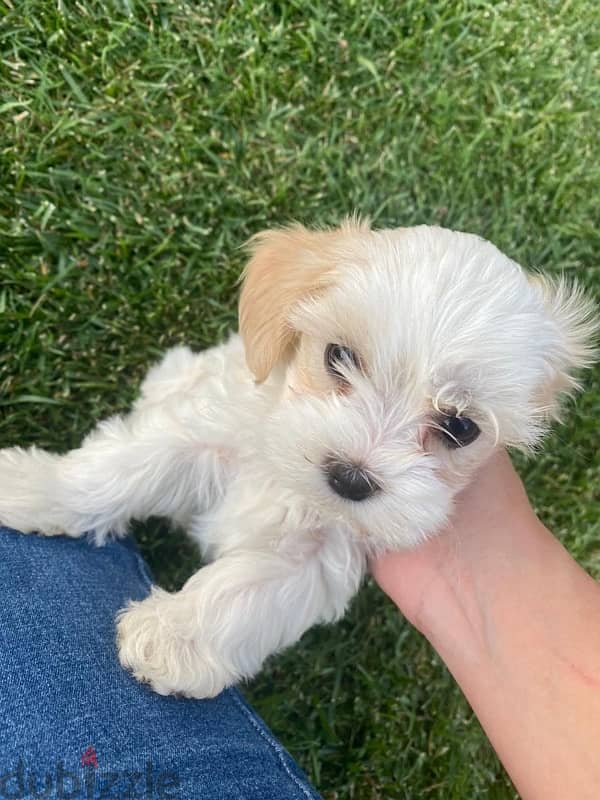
481, 586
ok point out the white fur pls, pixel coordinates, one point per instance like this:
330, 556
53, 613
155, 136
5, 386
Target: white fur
440, 319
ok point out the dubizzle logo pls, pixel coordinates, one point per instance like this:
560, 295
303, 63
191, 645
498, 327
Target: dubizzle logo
87, 782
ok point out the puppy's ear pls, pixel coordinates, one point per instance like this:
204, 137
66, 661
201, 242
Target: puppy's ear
287, 266
572, 323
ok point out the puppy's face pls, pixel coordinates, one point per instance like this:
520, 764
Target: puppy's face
406, 356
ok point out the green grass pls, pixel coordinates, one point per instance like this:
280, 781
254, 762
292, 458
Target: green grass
142, 142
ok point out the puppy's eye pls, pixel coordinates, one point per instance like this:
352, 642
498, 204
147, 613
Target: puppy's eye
339, 356
458, 431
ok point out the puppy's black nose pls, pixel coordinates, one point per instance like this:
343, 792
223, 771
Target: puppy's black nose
349, 480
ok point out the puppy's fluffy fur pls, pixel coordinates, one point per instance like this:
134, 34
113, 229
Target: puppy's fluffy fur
236, 443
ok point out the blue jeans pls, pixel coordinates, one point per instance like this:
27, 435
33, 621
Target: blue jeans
74, 724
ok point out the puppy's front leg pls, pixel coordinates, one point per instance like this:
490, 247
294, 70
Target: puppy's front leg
231, 615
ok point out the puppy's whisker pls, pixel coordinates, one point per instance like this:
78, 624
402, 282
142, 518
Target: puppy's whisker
443, 431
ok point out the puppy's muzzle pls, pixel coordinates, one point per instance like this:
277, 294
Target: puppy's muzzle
349, 480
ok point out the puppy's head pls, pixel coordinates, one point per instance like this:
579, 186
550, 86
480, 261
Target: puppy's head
406, 356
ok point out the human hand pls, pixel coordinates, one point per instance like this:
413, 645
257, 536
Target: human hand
485, 534
517, 622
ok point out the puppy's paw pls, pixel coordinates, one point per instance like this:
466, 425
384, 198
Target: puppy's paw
159, 644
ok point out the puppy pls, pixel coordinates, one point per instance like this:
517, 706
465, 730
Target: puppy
373, 373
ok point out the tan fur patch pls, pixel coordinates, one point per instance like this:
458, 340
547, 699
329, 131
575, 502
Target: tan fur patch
287, 266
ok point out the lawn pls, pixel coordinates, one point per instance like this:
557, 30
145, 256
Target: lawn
142, 142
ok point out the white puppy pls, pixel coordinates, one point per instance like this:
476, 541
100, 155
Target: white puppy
374, 372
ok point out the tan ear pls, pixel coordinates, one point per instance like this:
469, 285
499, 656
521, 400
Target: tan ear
287, 266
